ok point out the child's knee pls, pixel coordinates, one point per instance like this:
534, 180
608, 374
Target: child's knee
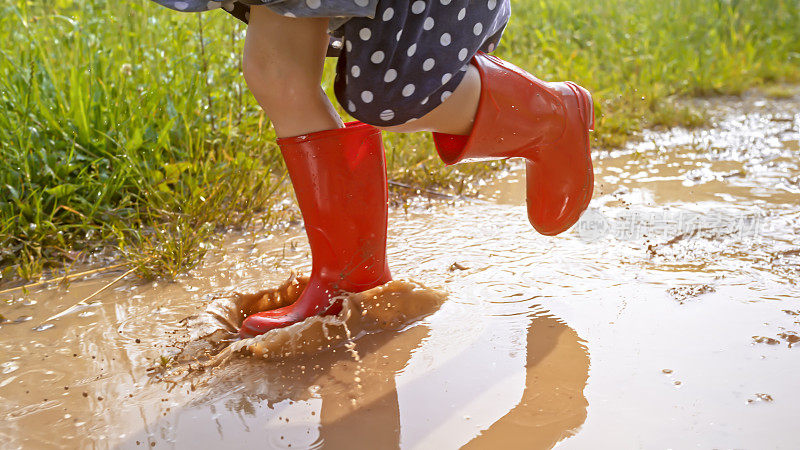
277, 88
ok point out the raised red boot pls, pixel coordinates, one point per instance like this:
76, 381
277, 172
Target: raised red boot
339, 178
546, 123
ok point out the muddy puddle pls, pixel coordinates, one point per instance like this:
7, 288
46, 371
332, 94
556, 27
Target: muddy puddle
668, 317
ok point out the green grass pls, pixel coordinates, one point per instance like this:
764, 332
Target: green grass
128, 127
637, 55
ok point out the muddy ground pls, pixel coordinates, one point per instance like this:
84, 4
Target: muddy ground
668, 317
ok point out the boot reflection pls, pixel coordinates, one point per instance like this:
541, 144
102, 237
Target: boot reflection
553, 405
250, 403
356, 386
361, 397
346, 397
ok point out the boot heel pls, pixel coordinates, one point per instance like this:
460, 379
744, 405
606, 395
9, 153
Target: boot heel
585, 104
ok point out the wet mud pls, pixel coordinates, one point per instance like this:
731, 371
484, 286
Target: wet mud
668, 317
212, 336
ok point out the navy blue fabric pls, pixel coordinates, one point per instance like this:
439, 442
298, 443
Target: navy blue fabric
407, 60
338, 10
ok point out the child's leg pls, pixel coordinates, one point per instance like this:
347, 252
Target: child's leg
519, 115
422, 68
283, 62
455, 115
338, 172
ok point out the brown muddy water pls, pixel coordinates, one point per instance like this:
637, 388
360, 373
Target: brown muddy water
668, 318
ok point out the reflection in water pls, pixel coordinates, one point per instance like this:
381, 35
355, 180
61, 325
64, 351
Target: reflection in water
552, 406
369, 406
693, 320
338, 398
347, 399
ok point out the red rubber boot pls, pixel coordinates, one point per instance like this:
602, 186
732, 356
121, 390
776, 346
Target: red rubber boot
339, 178
546, 123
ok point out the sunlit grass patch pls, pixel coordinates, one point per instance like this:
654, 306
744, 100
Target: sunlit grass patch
780, 91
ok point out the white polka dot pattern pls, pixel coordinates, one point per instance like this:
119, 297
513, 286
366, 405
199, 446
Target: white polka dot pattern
411, 57
400, 60
377, 57
387, 115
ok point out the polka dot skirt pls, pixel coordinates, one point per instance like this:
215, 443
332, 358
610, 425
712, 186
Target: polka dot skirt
340, 10
401, 58
407, 60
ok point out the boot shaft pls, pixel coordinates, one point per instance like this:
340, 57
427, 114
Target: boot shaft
548, 124
516, 110
339, 179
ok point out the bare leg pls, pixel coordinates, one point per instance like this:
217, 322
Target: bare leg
455, 115
283, 62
